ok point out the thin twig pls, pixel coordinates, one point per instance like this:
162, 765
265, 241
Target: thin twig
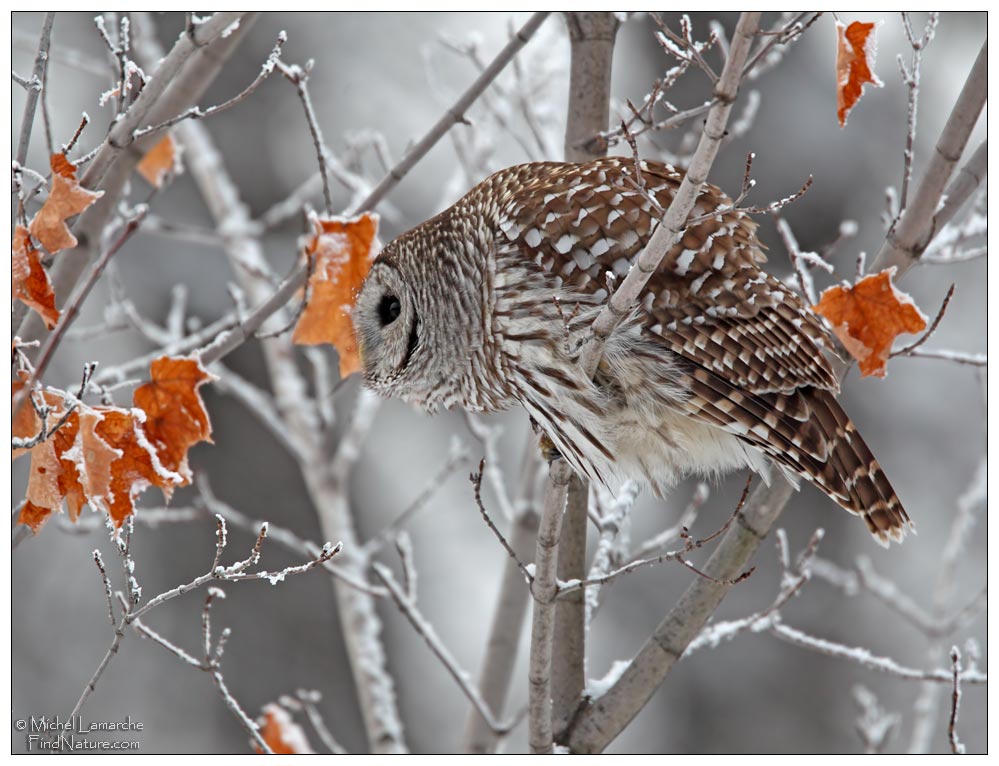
975, 360
956, 747
72, 402
933, 327
910, 77
868, 659
299, 76
457, 456
197, 113
455, 113
476, 479
427, 633
37, 76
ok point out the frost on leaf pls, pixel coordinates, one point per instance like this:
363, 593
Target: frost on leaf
341, 250
855, 51
868, 316
66, 199
105, 457
176, 418
160, 161
281, 733
29, 281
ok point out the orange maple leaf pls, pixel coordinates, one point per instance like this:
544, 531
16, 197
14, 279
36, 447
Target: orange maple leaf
342, 251
868, 316
29, 281
105, 457
25, 424
66, 199
855, 51
281, 733
176, 418
161, 160
134, 469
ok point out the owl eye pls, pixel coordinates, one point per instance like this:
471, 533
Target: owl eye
389, 309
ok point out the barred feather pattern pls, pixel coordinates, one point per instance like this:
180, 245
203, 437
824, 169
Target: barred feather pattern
720, 366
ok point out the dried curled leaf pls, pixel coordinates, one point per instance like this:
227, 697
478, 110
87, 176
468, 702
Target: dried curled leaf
281, 733
29, 281
160, 161
868, 316
66, 199
341, 250
105, 457
856, 47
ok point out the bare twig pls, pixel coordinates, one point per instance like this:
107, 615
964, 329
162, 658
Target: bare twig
299, 77
308, 700
497, 671
457, 456
71, 402
956, 747
910, 77
197, 113
867, 659
906, 350
685, 521
427, 633
975, 360
37, 76
476, 479
454, 114
122, 133
874, 725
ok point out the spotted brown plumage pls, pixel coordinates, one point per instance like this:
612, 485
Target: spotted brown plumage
720, 364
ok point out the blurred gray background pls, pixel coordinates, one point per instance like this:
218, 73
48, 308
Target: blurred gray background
390, 74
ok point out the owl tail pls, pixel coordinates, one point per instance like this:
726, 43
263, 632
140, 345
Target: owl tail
852, 476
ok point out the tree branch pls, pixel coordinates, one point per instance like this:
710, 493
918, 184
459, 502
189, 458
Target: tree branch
545, 589
672, 225
907, 241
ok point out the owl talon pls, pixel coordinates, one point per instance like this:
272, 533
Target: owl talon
548, 449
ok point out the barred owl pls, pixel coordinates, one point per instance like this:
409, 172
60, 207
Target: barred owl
720, 367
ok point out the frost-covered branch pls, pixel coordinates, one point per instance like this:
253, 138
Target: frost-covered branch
502, 645
592, 35
669, 229
197, 113
426, 631
34, 92
914, 231
874, 725
544, 589
868, 659
910, 77
210, 663
299, 77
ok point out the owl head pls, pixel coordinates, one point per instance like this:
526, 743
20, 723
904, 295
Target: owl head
412, 340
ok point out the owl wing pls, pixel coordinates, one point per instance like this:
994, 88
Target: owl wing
709, 302
751, 352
